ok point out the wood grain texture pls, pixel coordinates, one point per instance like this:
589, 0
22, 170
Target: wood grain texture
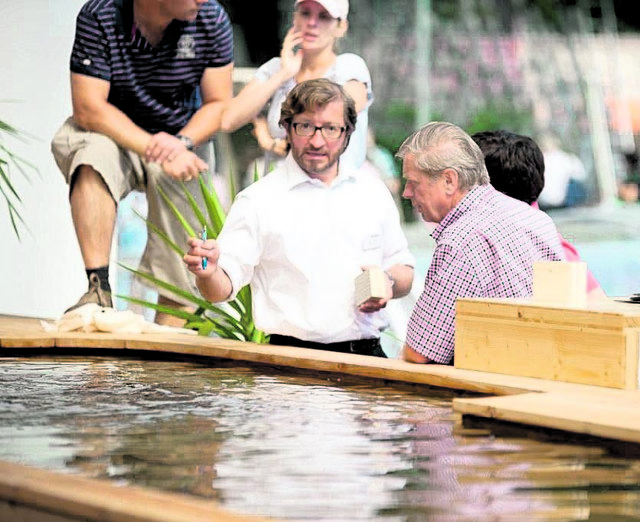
607, 415
595, 345
302, 358
45, 496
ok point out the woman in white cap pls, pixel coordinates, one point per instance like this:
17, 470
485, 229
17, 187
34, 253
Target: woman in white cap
308, 52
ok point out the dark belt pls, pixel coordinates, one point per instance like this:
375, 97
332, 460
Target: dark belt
360, 346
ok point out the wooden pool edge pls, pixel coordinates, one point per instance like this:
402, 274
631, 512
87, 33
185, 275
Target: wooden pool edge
36, 495
24, 335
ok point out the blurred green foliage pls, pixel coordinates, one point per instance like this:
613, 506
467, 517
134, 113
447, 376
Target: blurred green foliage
9, 163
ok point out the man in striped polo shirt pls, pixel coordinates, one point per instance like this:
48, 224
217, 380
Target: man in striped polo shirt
149, 80
486, 242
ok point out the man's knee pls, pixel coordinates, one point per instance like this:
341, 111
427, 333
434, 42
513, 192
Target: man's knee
95, 161
87, 178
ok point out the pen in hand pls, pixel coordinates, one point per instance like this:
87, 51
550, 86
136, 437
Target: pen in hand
204, 238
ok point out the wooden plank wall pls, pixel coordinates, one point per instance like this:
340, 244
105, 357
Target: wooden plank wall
597, 345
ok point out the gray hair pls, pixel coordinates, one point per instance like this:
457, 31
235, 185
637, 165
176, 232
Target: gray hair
439, 145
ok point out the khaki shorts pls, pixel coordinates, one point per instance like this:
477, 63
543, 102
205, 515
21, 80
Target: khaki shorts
124, 171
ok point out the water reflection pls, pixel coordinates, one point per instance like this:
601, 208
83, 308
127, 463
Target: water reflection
297, 447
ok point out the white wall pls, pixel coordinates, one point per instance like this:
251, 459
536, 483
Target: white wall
42, 274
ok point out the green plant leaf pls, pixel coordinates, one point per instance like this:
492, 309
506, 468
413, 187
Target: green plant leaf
9, 160
214, 208
168, 286
224, 326
175, 211
4, 174
194, 207
234, 319
156, 230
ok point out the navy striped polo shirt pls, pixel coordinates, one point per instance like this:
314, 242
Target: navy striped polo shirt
157, 87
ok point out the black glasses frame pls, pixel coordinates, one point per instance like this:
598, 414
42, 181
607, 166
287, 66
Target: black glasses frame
316, 129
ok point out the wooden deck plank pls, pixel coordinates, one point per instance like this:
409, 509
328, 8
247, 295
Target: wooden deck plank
606, 415
44, 495
23, 332
300, 358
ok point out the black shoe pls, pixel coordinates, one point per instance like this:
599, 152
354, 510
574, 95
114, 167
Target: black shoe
95, 295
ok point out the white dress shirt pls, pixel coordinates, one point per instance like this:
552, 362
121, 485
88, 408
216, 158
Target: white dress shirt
300, 245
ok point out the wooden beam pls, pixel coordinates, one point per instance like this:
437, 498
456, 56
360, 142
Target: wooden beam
284, 356
43, 496
605, 414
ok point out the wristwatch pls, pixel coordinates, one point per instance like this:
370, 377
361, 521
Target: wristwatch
187, 141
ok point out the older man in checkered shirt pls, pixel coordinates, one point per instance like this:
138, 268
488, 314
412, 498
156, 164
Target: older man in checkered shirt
486, 242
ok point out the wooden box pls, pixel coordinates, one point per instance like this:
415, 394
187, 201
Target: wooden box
595, 344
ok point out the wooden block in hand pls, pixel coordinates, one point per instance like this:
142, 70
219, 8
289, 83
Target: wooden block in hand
371, 283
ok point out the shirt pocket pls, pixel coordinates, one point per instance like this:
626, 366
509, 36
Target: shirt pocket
371, 242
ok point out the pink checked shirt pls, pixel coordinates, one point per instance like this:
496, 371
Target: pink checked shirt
485, 247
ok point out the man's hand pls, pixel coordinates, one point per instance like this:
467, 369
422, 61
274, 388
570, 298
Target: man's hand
373, 305
212, 281
198, 251
163, 147
379, 301
185, 166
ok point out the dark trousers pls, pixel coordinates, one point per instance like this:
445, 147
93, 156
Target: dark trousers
361, 346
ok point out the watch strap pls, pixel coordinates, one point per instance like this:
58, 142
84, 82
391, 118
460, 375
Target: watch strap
187, 141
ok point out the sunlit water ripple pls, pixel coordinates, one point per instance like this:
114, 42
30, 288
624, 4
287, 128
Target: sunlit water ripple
297, 447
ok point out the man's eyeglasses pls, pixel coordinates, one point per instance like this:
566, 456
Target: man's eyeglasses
329, 132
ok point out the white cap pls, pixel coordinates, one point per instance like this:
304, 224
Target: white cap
336, 8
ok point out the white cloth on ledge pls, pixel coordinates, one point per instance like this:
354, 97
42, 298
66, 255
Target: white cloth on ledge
94, 318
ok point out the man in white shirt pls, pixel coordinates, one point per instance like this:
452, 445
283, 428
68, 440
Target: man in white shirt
302, 234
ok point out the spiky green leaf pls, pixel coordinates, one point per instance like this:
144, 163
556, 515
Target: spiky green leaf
176, 212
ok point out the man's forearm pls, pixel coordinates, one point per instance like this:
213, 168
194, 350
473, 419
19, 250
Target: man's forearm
107, 119
402, 276
216, 287
205, 122
410, 355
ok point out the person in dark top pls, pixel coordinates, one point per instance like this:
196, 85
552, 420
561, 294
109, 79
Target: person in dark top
516, 168
148, 83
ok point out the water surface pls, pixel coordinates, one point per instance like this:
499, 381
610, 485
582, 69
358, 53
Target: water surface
299, 447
